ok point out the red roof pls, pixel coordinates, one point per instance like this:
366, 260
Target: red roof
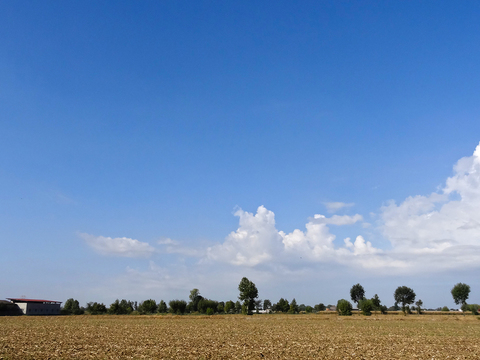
33, 300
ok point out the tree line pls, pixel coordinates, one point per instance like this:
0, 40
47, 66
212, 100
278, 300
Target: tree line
403, 295
248, 303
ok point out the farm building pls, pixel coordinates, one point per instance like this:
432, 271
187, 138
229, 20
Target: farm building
37, 306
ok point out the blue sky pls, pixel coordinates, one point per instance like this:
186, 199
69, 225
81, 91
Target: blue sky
152, 147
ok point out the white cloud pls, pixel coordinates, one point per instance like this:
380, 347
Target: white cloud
441, 230
333, 207
123, 246
255, 241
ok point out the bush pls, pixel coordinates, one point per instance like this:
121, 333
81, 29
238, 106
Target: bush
445, 308
383, 309
95, 308
344, 307
209, 311
366, 305
308, 309
177, 306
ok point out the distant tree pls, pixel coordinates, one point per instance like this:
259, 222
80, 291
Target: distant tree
302, 307
293, 307
229, 307
248, 294
258, 305
147, 307
72, 307
405, 296
195, 298
209, 311
238, 307
344, 307
376, 303
162, 307
460, 293
308, 309
177, 306
121, 307
221, 308
282, 305
267, 304
320, 307
357, 293
366, 306
95, 308
204, 304
445, 308
419, 305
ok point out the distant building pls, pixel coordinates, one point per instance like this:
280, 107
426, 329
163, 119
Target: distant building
37, 306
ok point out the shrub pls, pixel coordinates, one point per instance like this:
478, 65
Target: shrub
177, 306
209, 311
344, 307
366, 305
308, 309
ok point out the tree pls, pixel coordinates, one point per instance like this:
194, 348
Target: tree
147, 307
267, 304
357, 293
177, 306
319, 307
308, 309
238, 307
248, 294
366, 305
419, 304
376, 303
162, 307
72, 306
95, 308
229, 307
344, 307
293, 307
405, 296
195, 298
258, 305
460, 293
282, 305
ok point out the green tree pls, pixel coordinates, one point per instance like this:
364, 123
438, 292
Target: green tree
308, 309
419, 305
195, 298
72, 307
248, 294
344, 307
366, 306
376, 303
221, 308
267, 304
177, 306
282, 305
238, 307
293, 307
405, 296
320, 307
147, 307
162, 307
460, 293
229, 307
95, 308
357, 293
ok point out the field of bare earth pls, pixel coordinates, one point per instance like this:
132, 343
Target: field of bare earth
236, 336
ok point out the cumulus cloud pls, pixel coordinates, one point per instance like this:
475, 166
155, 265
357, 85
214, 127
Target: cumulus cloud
333, 207
123, 246
441, 229
257, 240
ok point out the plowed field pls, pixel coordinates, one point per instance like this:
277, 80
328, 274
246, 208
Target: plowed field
235, 336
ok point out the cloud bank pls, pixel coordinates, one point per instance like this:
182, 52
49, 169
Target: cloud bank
427, 233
